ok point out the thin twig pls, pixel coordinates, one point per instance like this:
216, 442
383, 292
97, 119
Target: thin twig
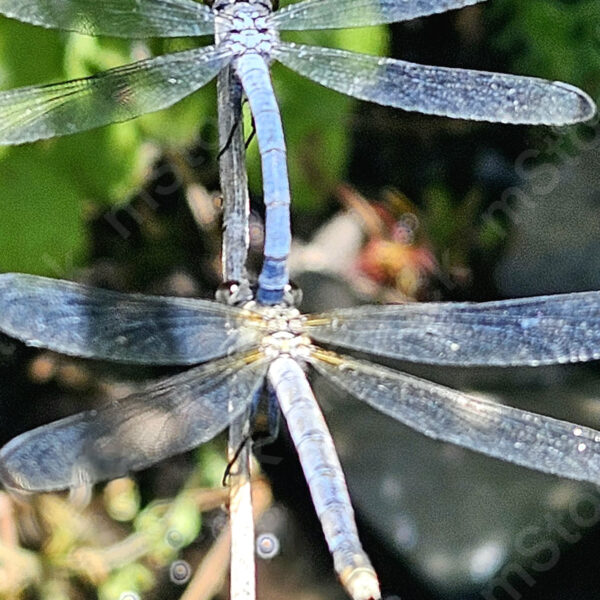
234, 187
208, 579
234, 182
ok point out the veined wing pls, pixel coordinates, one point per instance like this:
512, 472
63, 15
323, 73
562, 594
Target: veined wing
118, 18
94, 323
457, 93
38, 112
524, 438
170, 417
526, 331
338, 14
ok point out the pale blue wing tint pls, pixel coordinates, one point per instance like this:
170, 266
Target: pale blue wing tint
517, 436
170, 417
93, 323
37, 112
119, 18
526, 331
336, 14
457, 93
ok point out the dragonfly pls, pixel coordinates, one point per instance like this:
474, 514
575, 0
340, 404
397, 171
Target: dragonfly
238, 353
247, 37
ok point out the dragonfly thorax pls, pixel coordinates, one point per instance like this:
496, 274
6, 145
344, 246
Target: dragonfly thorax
283, 331
278, 318
285, 343
245, 26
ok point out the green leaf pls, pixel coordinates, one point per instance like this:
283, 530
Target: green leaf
552, 38
46, 185
134, 578
41, 225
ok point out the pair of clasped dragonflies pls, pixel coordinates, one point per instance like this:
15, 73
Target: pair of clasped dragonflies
247, 36
241, 348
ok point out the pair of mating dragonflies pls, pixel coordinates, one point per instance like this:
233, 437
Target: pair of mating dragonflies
265, 341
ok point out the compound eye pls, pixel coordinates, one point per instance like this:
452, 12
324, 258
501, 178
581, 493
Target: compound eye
227, 292
292, 295
233, 293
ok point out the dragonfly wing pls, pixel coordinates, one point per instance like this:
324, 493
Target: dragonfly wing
339, 14
456, 93
38, 112
118, 18
94, 323
170, 417
526, 331
518, 436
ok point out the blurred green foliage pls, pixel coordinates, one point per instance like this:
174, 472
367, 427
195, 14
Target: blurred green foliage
556, 39
49, 187
75, 547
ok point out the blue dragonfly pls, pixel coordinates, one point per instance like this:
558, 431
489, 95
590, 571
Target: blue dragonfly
235, 351
247, 36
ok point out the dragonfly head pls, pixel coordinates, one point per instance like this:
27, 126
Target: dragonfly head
236, 293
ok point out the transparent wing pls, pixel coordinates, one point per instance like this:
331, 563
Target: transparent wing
525, 331
517, 436
118, 18
457, 93
93, 323
38, 112
170, 417
338, 14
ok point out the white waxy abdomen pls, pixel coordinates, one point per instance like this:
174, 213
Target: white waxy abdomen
324, 476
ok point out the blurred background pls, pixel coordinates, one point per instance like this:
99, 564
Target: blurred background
387, 206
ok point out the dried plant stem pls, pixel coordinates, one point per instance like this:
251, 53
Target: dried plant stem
234, 188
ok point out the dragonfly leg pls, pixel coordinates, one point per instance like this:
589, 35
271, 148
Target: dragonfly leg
237, 124
229, 467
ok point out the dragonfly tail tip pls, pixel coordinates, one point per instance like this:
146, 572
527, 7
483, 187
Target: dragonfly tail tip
362, 584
